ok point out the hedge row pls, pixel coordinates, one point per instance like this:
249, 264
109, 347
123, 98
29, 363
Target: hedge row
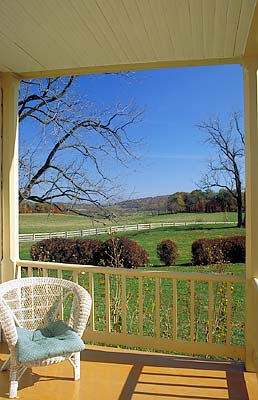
115, 252
223, 250
124, 252
81, 251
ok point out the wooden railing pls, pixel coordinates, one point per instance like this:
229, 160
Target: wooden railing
34, 237
193, 313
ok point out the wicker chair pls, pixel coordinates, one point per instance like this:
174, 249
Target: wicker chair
33, 303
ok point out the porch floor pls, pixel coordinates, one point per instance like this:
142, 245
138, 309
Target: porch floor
115, 374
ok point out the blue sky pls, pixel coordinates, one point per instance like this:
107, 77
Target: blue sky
173, 155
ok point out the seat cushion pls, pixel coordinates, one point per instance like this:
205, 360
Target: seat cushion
54, 340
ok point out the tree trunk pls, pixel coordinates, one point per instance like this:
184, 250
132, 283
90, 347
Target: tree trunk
239, 214
239, 203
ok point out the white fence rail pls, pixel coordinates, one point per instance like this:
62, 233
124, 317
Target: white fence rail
35, 237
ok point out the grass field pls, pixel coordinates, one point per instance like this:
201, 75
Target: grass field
183, 236
33, 223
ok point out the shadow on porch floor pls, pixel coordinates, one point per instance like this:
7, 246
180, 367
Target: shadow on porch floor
115, 374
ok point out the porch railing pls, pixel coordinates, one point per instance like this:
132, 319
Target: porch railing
195, 313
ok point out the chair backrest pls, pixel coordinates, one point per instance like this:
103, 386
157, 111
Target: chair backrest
34, 302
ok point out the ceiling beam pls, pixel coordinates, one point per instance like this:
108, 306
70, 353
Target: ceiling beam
127, 67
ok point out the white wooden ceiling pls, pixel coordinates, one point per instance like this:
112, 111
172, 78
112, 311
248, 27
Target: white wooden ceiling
44, 35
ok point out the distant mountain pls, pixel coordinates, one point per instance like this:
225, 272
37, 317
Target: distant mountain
156, 205
153, 204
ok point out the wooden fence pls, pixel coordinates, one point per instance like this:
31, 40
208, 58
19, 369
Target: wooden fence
35, 237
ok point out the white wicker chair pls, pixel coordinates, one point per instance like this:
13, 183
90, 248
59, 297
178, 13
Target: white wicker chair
32, 303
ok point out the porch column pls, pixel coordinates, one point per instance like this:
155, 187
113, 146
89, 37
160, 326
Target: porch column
251, 132
9, 172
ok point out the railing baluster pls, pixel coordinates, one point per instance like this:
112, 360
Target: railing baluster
140, 298
91, 290
174, 309
123, 304
228, 314
157, 307
210, 311
192, 318
45, 272
75, 277
30, 272
107, 301
60, 273
18, 271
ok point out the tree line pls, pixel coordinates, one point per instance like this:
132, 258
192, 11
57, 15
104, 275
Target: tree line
199, 201
27, 207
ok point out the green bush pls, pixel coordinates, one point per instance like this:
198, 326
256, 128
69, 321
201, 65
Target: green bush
223, 250
123, 253
167, 252
70, 251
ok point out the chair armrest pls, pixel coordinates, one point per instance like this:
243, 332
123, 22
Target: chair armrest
81, 309
8, 326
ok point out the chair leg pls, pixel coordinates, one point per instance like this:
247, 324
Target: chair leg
13, 377
13, 389
75, 361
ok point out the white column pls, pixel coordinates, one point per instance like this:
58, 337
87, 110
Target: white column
251, 131
9, 164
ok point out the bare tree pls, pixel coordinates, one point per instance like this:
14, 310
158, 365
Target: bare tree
225, 169
74, 140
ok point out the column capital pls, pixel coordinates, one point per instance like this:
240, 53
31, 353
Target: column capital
250, 63
10, 75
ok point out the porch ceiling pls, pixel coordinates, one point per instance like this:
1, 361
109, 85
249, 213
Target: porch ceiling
37, 37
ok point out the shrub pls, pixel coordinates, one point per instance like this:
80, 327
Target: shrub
222, 250
234, 249
79, 251
204, 251
167, 252
123, 253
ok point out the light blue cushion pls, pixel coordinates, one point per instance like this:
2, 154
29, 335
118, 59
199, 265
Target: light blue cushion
54, 340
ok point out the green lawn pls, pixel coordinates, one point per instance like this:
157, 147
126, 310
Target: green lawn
183, 236
33, 223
